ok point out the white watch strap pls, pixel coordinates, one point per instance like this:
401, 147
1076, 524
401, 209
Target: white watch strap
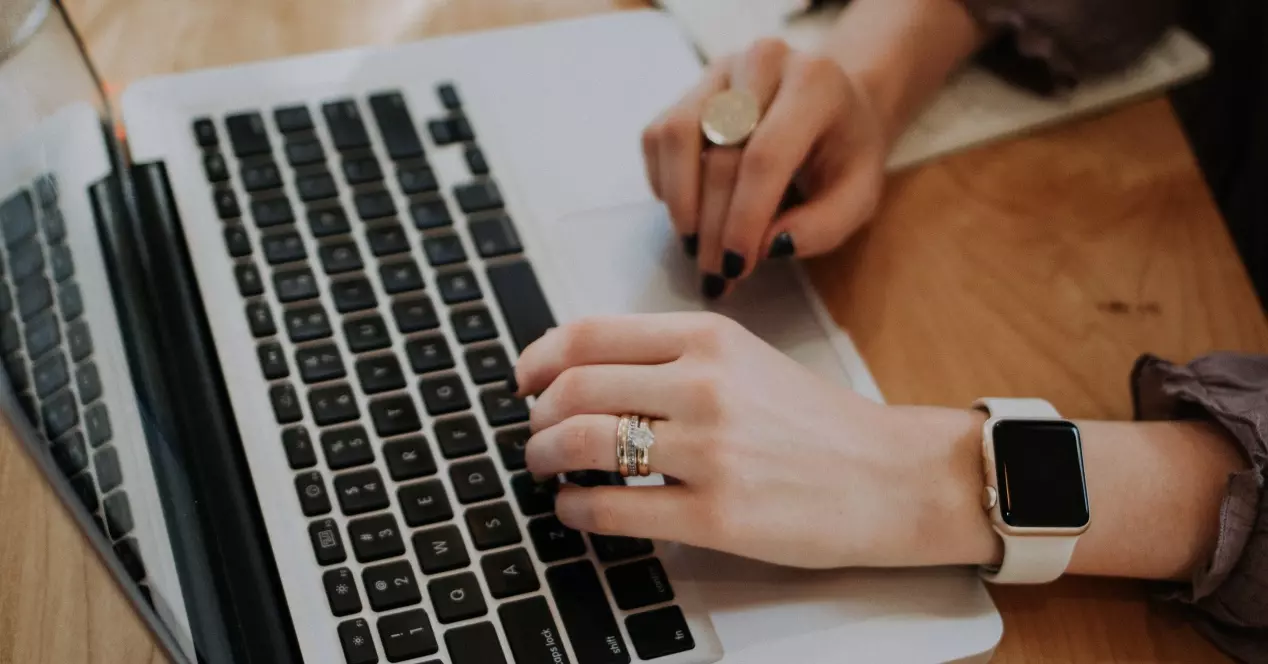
1028, 558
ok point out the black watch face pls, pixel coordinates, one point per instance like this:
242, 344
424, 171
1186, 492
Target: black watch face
1039, 466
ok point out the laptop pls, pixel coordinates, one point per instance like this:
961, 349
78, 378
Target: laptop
256, 327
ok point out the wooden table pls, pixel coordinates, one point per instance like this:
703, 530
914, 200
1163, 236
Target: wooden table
1041, 266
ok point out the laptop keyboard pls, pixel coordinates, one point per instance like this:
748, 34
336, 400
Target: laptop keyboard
49, 357
431, 555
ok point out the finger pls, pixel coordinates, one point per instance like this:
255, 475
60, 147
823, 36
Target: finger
678, 145
650, 158
632, 339
720, 167
778, 147
606, 389
588, 442
819, 226
657, 512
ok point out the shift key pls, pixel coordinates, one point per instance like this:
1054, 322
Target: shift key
532, 633
587, 617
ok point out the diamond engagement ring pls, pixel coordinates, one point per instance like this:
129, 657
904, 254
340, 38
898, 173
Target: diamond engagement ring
634, 439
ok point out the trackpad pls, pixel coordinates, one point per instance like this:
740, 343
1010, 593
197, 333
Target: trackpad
629, 260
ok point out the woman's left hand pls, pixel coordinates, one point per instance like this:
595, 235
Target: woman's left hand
771, 461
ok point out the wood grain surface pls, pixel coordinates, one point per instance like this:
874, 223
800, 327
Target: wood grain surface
1041, 266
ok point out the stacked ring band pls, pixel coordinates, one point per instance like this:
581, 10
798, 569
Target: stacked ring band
634, 439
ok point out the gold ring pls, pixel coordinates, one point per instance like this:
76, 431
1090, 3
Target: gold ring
644, 464
626, 456
642, 438
730, 117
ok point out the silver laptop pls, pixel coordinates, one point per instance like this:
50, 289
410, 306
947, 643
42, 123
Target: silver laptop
260, 348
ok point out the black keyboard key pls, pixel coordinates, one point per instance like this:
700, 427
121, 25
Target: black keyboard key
54, 225
42, 335
260, 318
375, 538
129, 554
17, 218
205, 133
283, 247
261, 176
311, 489
327, 542
333, 405
354, 294
319, 363
291, 119
391, 586
449, 96
534, 498
502, 408
523, 304
430, 214
97, 424
26, 259
34, 296
396, 126
87, 492
357, 642
346, 447
247, 134
459, 437
400, 277
474, 644
511, 443
612, 548
381, 373
530, 629
340, 257
316, 187
374, 204
417, 180
458, 286
442, 132
472, 325
72, 301
660, 633
461, 127
415, 314
366, 334
341, 592
360, 492
394, 415
457, 597
293, 285
424, 503
60, 414
328, 221
237, 241
555, 541
492, 526
106, 465
299, 448
428, 354
118, 514
15, 367
302, 153
215, 168
475, 161
475, 480
407, 635
444, 250
495, 236
10, 335
286, 406
360, 170
79, 340
478, 196
346, 127
639, 584
46, 191
509, 573
88, 382
408, 458
587, 617
387, 239
307, 323
443, 395
488, 364
269, 212
71, 454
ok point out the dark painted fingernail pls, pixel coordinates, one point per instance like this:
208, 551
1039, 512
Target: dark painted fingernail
691, 244
512, 385
713, 286
732, 265
782, 246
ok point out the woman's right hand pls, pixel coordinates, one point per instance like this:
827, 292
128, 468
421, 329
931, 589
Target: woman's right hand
819, 131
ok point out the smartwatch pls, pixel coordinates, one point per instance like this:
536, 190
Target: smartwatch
1036, 491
